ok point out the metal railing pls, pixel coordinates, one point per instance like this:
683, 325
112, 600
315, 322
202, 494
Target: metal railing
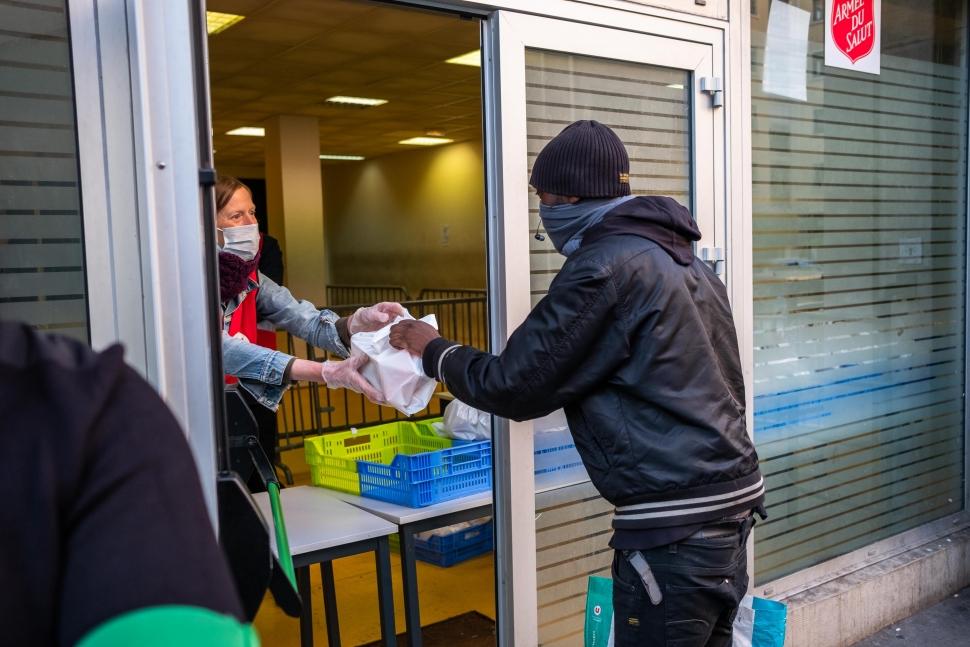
310, 409
365, 294
450, 293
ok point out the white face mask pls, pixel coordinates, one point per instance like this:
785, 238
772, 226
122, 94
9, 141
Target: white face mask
243, 241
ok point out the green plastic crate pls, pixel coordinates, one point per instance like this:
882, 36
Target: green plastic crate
333, 457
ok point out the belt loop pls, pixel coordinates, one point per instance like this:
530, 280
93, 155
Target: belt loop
672, 549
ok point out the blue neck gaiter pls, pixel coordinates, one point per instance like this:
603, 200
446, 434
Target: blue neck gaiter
566, 223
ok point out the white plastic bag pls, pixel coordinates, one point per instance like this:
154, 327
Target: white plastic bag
464, 422
396, 373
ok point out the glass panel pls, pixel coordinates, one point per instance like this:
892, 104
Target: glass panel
859, 287
649, 108
41, 247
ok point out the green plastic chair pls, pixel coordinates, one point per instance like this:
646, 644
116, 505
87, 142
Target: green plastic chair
174, 625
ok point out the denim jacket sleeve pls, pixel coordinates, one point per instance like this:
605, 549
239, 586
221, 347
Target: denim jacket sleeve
300, 318
259, 370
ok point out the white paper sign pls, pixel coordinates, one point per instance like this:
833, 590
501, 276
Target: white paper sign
786, 51
852, 34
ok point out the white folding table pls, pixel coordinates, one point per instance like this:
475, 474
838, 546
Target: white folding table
320, 529
409, 521
414, 520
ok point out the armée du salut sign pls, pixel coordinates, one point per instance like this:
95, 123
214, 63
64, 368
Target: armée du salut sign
852, 34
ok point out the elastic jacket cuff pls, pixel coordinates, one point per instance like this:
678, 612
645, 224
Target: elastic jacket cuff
433, 354
343, 330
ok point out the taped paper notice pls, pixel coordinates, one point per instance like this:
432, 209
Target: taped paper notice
786, 52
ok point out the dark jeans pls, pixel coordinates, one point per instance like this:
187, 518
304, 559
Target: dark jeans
702, 579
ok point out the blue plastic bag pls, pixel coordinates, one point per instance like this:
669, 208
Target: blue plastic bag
760, 623
598, 630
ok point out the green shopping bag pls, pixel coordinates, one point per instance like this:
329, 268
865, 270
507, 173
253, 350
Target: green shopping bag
599, 612
760, 623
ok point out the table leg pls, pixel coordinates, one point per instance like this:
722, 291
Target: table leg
306, 617
385, 592
330, 604
409, 581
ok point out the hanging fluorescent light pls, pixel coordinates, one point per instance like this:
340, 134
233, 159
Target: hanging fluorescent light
216, 22
471, 58
346, 158
426, 141
357, 101
248, 131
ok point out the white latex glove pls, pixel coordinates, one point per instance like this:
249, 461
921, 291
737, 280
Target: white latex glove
346, 375
375, 317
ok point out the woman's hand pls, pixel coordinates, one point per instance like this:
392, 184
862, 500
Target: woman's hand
336, 375
375, 317
346, 375
412, 335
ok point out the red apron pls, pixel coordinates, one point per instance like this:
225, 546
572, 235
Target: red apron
244, 320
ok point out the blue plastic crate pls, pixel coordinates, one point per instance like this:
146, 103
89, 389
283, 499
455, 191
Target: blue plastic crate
430, 477
464, 543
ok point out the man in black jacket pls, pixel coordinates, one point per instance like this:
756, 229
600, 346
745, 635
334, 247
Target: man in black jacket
635, 339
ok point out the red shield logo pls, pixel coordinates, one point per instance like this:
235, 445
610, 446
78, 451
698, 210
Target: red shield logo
853, 26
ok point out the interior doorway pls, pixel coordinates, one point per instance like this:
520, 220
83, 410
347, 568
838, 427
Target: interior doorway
359, 126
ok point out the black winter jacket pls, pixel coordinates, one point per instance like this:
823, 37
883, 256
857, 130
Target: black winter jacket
636, 341
104, 513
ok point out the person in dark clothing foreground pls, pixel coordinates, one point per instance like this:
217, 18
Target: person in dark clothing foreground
104, 512
635, 339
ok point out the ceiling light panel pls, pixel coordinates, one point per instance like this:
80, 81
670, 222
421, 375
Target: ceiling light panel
357, 101
473, 58
216, 22
426, 141
248, 131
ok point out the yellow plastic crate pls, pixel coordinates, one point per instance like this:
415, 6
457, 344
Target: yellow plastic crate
333, 457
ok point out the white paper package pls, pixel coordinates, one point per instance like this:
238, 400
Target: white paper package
396, 373
465, 422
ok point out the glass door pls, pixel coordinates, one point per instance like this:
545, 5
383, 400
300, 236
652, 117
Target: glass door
655, 88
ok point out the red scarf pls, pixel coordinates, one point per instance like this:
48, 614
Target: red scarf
244, 318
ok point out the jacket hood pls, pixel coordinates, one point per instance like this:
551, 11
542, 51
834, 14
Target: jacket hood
658, 218
54, 377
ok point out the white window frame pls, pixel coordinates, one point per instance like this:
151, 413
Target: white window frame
135, 78
106, 156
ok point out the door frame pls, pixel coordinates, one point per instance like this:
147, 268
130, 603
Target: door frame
506, 35
145, 239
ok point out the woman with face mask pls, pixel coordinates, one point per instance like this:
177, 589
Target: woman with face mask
248, 296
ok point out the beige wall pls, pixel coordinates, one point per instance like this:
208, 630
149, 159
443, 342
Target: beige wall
415, 219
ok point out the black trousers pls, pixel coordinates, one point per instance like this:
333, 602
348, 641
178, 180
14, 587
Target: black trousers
703, 579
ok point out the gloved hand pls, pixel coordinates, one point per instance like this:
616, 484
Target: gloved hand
346, 375
375, 317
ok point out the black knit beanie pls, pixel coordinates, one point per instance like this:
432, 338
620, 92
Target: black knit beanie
586, 160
